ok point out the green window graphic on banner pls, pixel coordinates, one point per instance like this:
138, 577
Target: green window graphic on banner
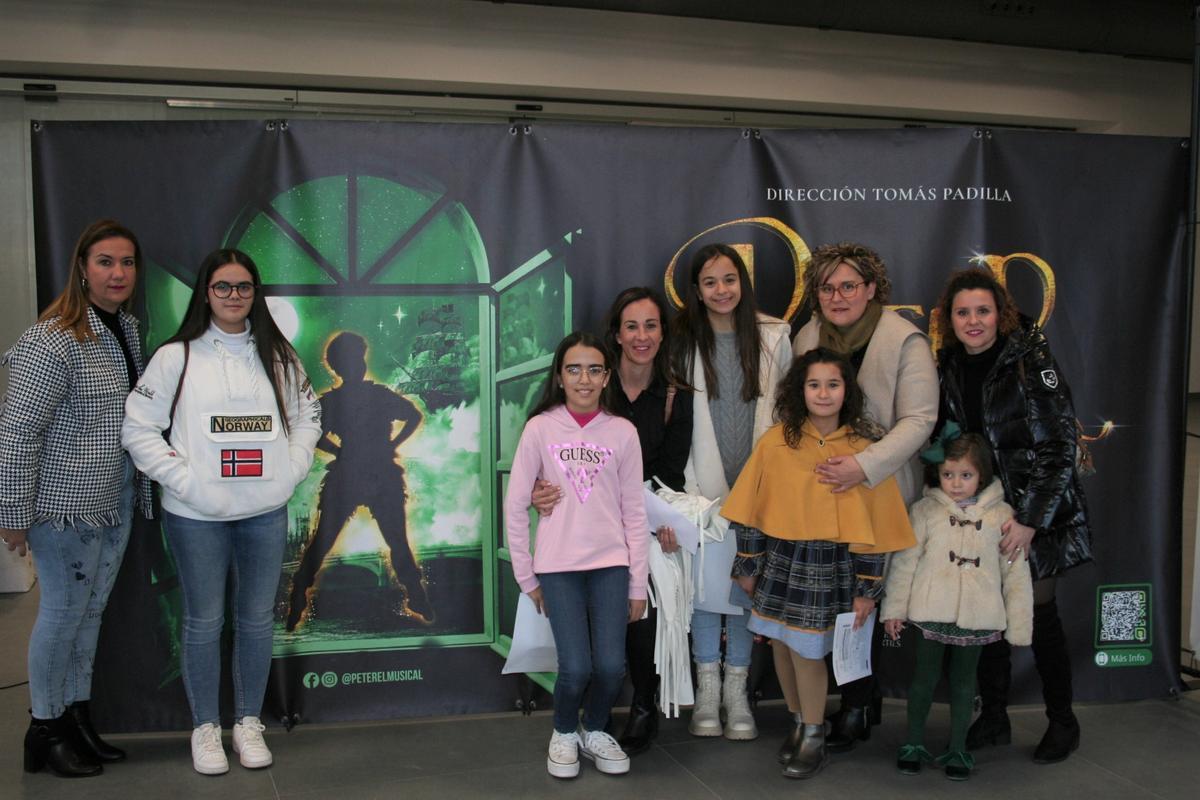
384, 289
1123, 620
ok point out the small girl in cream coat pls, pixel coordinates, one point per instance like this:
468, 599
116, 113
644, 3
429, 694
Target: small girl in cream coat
957, 589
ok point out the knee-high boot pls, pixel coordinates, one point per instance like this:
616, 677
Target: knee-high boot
995, 676
1053, 662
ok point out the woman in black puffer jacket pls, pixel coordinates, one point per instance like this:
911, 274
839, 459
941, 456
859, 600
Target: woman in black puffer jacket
999, 379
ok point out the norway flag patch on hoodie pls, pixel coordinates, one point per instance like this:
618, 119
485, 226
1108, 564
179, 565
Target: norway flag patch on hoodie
241, 463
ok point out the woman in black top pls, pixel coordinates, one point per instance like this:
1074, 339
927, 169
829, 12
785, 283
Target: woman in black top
645, 392
999, 379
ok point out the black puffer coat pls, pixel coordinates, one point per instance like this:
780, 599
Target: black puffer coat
1029, 419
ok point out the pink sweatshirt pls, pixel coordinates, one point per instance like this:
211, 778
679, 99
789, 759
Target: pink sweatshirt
601, 520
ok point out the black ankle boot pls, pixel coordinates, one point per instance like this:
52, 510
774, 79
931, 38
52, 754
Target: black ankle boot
640, 728
91, 742
51, 743
852, 724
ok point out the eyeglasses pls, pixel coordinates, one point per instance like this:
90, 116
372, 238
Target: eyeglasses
223, 290
594, 371
847, 289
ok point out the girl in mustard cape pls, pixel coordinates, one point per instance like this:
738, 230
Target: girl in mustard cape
806, 553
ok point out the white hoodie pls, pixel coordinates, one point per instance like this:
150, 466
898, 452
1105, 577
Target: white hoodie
229, 457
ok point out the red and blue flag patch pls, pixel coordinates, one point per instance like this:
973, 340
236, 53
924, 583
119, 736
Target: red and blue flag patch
241, 463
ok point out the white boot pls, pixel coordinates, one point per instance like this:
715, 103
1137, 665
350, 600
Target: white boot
739, 720
706, 714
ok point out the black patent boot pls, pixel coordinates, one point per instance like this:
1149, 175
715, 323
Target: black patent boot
103, 752
995, 675
1053, 662
51, 743
810, 755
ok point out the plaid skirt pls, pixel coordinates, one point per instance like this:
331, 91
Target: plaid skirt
806, 584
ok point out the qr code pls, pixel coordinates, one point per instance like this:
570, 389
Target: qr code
1124, 616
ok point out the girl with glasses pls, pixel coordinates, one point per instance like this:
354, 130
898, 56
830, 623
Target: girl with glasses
589, 569
241, 422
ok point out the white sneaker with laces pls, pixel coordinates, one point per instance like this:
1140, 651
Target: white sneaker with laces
604, 751
562, 761
208, 754
249, 745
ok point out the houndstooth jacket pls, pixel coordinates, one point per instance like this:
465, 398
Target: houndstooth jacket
60, 427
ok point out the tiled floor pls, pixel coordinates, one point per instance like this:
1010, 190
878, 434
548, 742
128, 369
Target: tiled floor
1148, 749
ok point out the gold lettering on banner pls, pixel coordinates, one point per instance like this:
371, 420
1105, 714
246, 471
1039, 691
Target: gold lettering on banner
796, 247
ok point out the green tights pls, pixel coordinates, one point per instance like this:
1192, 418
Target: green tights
963, 661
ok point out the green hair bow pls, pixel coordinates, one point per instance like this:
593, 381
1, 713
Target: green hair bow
936, 452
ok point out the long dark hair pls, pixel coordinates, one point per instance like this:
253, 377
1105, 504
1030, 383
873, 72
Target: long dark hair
663, 370
693, 331
277, 355
552, 393
72, 303
791, 410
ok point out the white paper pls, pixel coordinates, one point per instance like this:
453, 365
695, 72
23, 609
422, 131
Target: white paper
851, 648
532, 642
659, 513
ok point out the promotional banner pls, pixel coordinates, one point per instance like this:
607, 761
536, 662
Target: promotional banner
425, 274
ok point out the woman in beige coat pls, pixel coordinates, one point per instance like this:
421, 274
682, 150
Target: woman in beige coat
848, 287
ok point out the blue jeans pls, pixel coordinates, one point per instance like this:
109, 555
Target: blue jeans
251, 552
77, 567
706, 638
588, 613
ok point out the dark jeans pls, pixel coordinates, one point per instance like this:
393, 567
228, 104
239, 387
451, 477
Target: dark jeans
588, 612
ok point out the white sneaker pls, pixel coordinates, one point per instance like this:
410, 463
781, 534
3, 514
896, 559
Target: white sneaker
208, 754
604, 751
249, 745
563, 759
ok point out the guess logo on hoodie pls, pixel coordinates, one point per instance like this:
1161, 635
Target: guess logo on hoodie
581, 462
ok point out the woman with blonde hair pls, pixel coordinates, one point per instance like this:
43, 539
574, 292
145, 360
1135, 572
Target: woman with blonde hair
67, 488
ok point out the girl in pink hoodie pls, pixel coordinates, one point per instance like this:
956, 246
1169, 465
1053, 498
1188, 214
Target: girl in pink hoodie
588, 570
